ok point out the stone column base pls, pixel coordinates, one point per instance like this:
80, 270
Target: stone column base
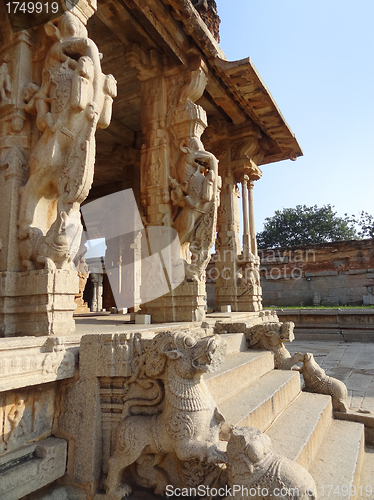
37, 303
187, 302
226, 296
249, 299
241, 299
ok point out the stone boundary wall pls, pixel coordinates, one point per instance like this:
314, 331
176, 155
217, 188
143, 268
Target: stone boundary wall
343, 325
339, 273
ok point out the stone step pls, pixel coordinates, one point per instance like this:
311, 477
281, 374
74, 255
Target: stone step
367, 474
260, 403
236, 342
299, 430
339, 461
237, 372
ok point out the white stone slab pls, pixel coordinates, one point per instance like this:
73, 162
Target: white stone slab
143, 319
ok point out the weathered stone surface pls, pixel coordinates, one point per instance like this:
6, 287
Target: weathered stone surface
29, 362
44, 463
253, 464
47, 168
346, 324
38, 302
339, 272
27, 415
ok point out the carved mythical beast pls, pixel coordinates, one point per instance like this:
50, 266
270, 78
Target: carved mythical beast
74, 98
188, 427
196, 193
271, 336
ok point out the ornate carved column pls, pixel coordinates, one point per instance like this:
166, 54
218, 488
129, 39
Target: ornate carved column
252, 227
227, 244
246, 150
237, 282
246, 236
97, 294
180, 182
58, 97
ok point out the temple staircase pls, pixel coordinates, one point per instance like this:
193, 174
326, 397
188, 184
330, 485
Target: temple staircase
250, 392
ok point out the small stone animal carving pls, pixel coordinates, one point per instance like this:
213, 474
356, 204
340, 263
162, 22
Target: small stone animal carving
271, 336
317, 381
253, 465
189, 427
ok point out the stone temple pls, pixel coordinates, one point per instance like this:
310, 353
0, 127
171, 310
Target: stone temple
124, 120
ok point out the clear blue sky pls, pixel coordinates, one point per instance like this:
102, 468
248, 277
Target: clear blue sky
317, 59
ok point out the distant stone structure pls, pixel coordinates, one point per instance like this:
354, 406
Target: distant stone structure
328, 274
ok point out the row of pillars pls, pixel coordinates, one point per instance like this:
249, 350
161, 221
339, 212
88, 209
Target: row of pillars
249, 232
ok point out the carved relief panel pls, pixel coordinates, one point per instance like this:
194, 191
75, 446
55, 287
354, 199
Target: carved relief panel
26, 415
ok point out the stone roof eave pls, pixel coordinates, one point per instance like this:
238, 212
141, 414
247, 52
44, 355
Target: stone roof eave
242, 81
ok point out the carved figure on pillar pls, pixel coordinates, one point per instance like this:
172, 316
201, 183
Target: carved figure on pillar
5, 83
83, 273
196, 193
74, 98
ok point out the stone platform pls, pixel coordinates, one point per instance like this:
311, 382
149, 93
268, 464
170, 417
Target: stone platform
340, 324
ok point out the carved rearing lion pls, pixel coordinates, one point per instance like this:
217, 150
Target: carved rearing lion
189, 426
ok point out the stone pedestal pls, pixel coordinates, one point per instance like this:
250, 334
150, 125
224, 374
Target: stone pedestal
249, 299
187, 302
39, 302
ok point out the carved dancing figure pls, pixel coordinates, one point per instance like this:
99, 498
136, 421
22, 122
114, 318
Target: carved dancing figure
15, 416
196, 193
75, 98
189, 428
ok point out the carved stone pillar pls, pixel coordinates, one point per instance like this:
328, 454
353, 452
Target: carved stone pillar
180, 182
246, 151
227, 244
237, 282
97, 293
246, 235
83, 274
50, 107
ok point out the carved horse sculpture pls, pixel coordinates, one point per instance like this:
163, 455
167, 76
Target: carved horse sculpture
196, 192
75, 98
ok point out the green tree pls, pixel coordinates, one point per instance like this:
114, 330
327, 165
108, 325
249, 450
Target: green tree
365, 222
303, 226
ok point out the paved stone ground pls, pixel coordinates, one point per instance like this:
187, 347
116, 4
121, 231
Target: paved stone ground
352, 363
